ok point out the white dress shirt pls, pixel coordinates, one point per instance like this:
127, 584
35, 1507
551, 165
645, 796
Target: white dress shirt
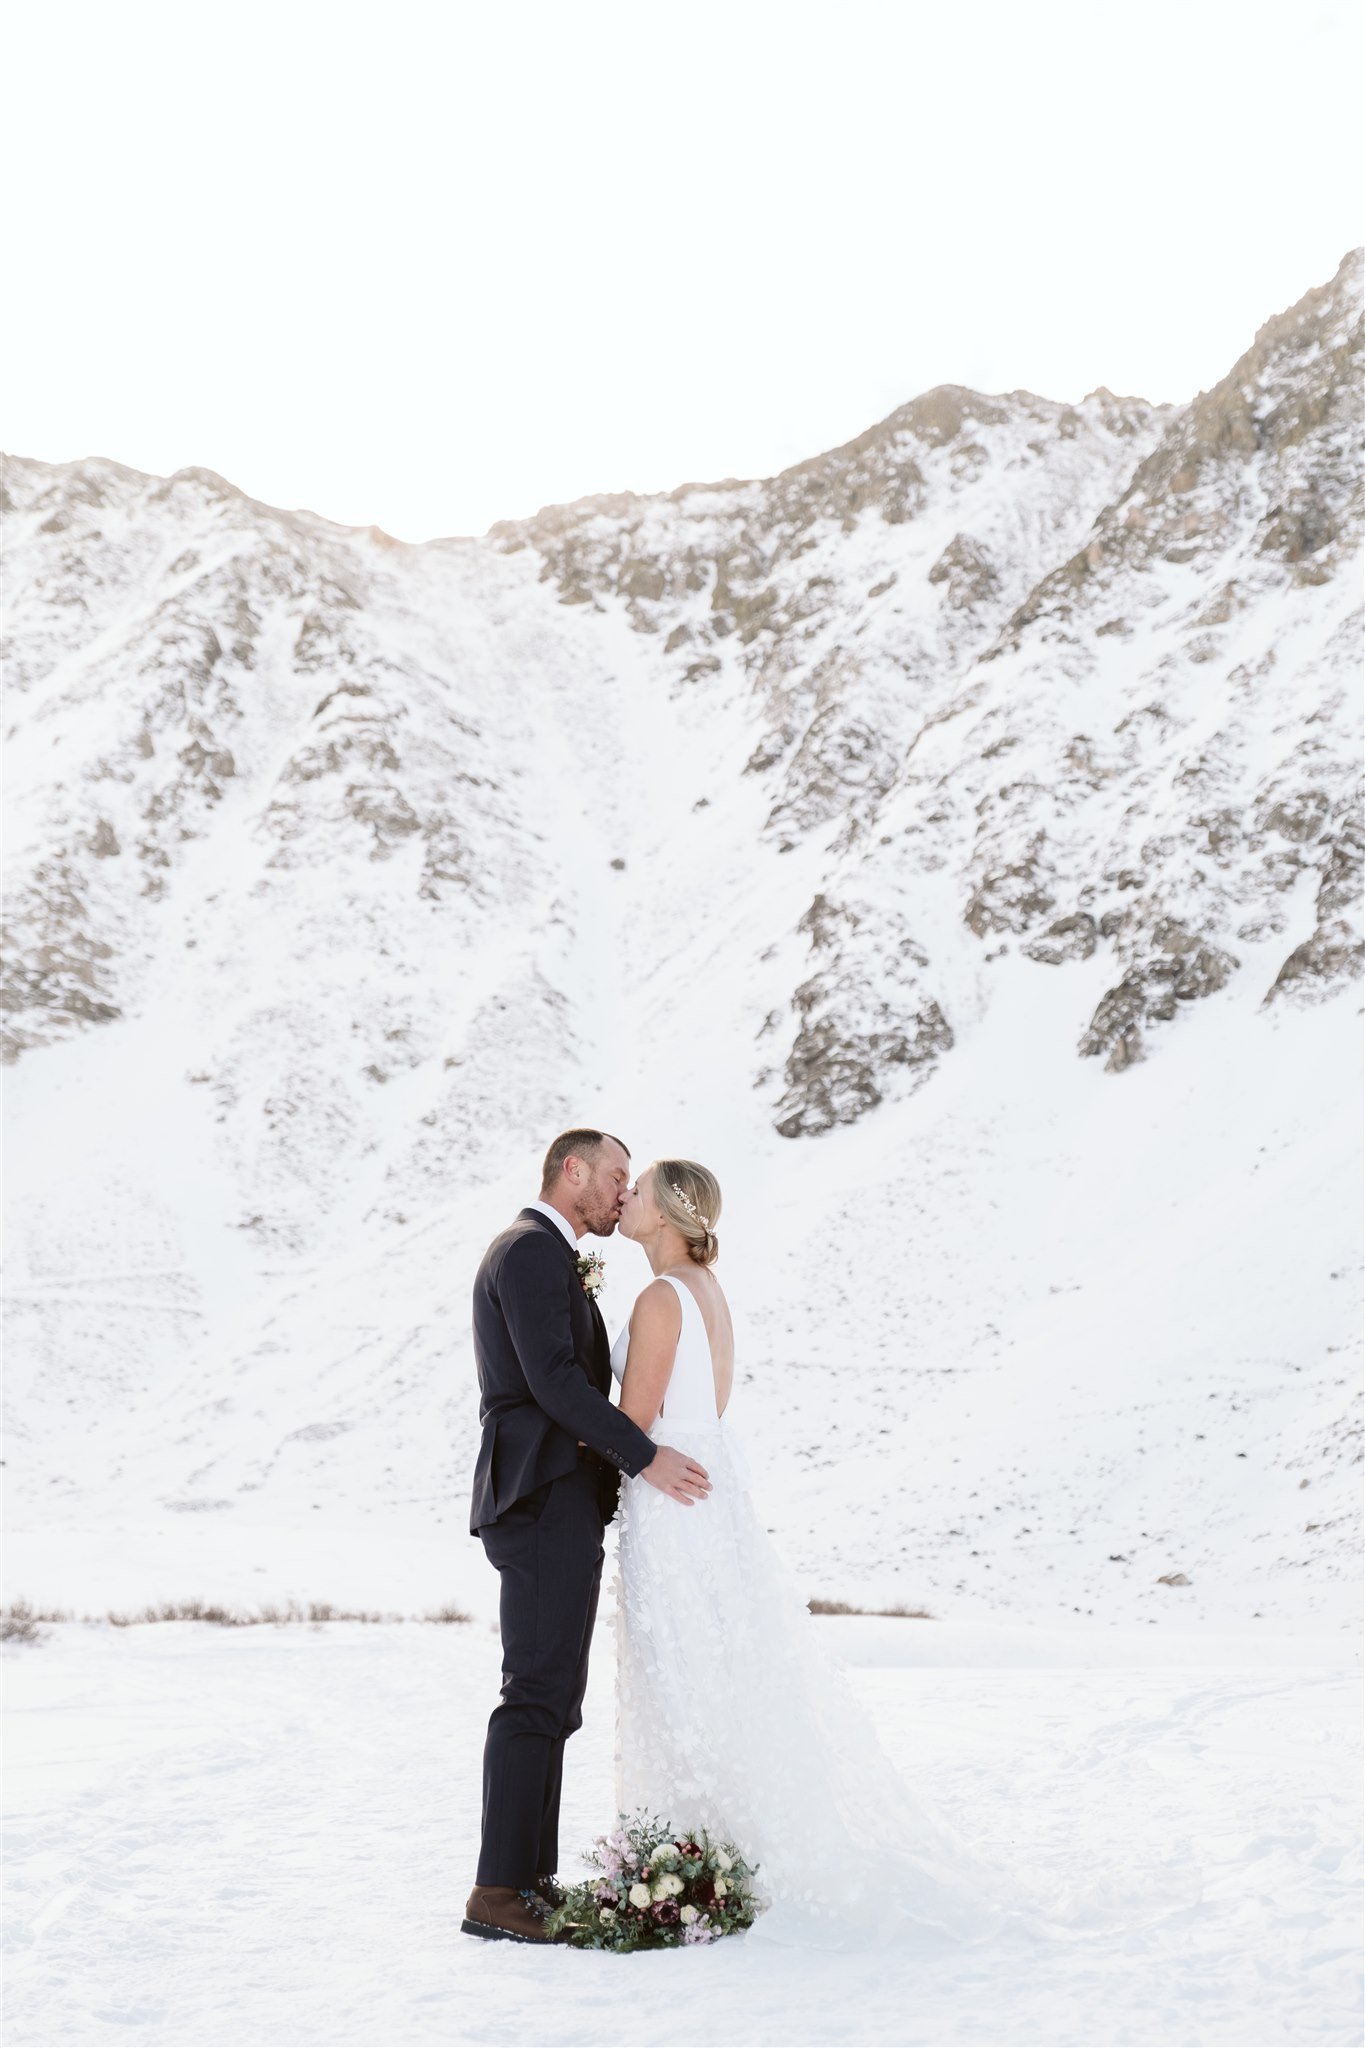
566, 1228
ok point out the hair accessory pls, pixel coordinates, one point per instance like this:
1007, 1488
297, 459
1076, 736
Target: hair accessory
690, 1206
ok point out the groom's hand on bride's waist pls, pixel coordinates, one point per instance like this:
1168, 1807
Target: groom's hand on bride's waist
677, 1475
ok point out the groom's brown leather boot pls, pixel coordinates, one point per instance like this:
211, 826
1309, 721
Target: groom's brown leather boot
501, 1913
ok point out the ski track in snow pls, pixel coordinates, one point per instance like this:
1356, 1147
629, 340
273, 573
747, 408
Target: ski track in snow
233, 1839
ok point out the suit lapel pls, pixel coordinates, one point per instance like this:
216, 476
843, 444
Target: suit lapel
599, 1362
602, 1349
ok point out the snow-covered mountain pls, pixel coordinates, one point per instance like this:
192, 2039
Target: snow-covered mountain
954, 840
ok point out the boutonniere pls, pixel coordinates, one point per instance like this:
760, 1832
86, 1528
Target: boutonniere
592, 1271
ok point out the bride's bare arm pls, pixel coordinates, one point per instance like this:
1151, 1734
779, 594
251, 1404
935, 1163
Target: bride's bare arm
655, 1326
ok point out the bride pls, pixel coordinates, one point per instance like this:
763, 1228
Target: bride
730, 1715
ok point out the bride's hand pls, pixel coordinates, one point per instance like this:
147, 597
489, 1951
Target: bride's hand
677, 1475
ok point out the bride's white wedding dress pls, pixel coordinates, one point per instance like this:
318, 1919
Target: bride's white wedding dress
731, 1716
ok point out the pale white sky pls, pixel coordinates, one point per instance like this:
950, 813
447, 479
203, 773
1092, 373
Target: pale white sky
431, 265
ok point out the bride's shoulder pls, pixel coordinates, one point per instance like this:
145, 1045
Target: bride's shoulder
657, 1311
657, 1307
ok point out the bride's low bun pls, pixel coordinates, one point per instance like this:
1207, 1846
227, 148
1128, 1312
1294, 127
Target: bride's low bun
688, 1197
707, 1251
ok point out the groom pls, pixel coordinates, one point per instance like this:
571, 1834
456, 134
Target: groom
545, 1487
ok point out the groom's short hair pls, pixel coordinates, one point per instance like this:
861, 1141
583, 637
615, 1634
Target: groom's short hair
584, 1144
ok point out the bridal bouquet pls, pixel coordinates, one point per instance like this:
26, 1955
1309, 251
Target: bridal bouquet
656, 1888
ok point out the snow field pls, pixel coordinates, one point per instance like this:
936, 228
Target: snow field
234, 1839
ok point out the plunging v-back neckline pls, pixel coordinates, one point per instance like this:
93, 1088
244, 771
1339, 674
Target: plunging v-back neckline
681, 1287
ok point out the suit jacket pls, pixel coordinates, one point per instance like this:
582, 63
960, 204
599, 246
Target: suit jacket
543, 1360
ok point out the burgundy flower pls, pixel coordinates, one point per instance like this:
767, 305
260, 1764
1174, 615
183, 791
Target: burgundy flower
690, 1851
665, 1912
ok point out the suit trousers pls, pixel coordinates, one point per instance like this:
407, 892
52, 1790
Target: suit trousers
548, 1550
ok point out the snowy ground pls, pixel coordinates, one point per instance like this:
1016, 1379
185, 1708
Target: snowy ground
266, 1835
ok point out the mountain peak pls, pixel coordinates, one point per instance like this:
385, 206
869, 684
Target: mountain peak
955, 839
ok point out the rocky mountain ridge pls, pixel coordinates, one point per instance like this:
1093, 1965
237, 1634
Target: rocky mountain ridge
950, 580
958, 799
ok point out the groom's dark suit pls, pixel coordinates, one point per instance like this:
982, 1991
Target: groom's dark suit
541, 1502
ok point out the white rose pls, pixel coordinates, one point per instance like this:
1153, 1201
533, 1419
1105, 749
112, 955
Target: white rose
672, 1885
688, 1915
724, 1862
639, 1895
667, 1852
607, 1913
661, 1886
721, 1887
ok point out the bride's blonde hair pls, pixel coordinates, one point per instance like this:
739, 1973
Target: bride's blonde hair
688, 1197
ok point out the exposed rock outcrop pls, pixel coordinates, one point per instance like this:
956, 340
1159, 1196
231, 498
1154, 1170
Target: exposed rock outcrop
1002, 674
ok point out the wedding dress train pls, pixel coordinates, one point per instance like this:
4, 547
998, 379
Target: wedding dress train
732, 1717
